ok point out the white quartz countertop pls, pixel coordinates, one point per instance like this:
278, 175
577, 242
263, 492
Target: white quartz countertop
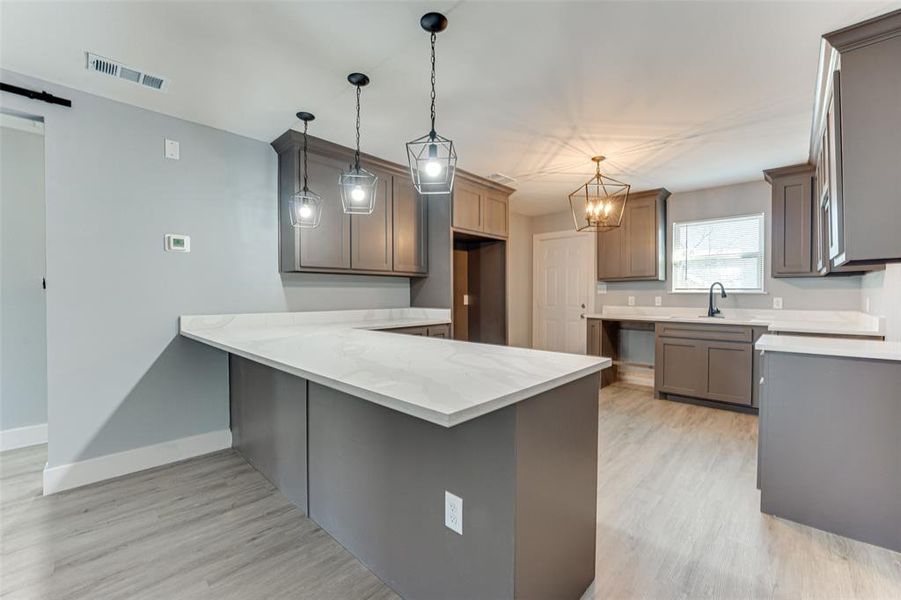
825, 322
851, 348
443, 381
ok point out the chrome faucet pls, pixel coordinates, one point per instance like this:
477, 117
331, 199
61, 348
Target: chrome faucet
712, 310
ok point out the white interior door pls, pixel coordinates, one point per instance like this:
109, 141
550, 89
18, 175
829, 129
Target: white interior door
563, 276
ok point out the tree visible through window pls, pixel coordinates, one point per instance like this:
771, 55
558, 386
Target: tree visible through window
728, 250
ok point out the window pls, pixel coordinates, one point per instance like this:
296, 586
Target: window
726, 250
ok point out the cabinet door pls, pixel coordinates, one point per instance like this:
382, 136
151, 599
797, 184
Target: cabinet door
727, 372
328, 245
467, 206
411, 228
792, 225
640, 248
834, 171
439, 331
372, 236
594, 338
679, 366
610, 254
494, 214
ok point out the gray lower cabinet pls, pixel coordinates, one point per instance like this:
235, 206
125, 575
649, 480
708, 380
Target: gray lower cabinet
710, 362
593, 345
439, 331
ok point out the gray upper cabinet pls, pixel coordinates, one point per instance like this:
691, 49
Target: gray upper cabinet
864, 160
480, 209
793, 221
411, 223
390, 241
636, 250
372, 236
326, 246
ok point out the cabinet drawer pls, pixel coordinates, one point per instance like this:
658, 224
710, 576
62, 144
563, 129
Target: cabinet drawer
442, 331
410, 330
724, 333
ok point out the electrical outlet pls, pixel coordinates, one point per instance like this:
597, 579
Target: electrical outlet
602, 287
658, 301
631, 300
453, 512
171, 150
777, 302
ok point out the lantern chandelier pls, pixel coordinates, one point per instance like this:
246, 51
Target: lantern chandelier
600, 202
306, 205
432, 157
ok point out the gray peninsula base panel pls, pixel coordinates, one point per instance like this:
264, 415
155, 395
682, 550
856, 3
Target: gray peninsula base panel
376, 478
830, 444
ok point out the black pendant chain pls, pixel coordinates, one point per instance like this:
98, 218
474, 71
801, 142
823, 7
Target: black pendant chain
357, 151
305, 188
432, 132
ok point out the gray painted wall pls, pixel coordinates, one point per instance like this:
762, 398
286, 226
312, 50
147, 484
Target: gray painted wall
119, 376
881, 296
519, 287
23, 349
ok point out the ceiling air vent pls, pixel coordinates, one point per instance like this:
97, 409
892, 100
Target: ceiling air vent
120, 71
502, 179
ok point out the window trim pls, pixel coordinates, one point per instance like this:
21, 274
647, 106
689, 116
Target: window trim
763, 255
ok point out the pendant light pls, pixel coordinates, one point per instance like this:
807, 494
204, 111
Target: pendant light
432, 158
357, 186
305, 206
600, 202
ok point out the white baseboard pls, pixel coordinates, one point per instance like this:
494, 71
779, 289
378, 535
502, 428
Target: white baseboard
22, 437
77, 474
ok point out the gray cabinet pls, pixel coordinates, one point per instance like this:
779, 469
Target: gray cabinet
636, 250
411, 228
480, 209
393, 240
793, 221
439, 331
711, 362
865, 117
593, 346
372, 236
327, 246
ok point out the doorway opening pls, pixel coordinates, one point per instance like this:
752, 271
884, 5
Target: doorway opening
480, 289
23, 306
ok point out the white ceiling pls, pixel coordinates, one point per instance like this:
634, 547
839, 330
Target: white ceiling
684, 95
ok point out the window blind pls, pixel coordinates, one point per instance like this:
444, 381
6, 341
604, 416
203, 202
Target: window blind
728, 250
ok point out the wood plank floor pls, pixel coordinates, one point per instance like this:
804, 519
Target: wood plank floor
678, 517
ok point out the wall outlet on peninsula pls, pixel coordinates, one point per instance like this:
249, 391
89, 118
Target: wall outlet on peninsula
453, 512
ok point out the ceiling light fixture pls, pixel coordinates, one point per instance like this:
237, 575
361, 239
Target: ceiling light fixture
600, 202
305, 206
432, 158
357, 186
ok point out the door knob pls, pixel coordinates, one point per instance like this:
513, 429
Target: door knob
583, 305
582, 316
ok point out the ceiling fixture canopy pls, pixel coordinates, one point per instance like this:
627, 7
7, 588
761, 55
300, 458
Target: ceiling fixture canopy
600, 202
356, 185
432, 158
305, 206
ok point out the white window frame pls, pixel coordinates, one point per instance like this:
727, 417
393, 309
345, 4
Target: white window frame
763, 256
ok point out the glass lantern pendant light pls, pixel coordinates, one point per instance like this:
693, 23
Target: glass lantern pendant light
600, 202
432, 158
305, 206
357, 186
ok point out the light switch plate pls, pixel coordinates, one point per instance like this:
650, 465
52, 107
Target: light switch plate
176, 242
453, 512
171, 149
631, 300
777, 302
658, 301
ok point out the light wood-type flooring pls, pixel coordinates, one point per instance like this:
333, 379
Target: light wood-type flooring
678, 517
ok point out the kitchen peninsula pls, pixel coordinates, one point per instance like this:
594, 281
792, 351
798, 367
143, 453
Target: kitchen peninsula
367, 432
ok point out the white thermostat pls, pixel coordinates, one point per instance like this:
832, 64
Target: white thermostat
175, 242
